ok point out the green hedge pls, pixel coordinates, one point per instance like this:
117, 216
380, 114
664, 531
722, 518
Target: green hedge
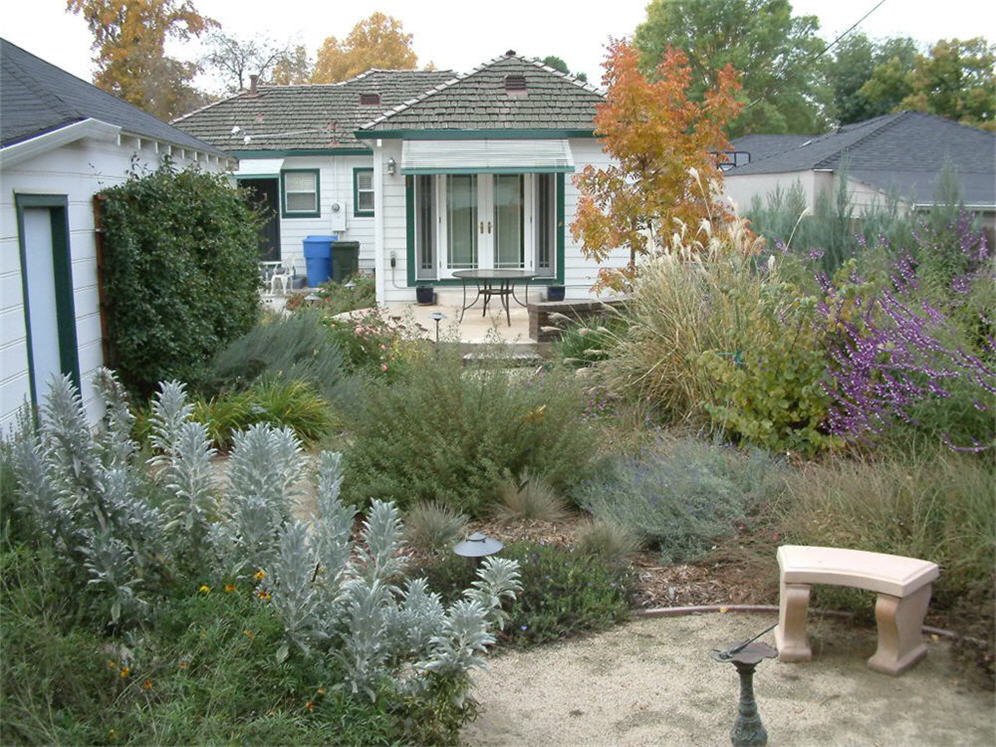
180, 273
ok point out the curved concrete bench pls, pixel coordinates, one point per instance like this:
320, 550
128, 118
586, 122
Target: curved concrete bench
903, 586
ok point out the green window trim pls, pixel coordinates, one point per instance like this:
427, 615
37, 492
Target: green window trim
357, 212
410, 239
65, 308
317, 212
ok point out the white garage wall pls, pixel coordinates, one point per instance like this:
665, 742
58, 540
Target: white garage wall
78, 171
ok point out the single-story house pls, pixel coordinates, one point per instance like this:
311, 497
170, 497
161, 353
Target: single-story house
429, 171
900, 155
63, 140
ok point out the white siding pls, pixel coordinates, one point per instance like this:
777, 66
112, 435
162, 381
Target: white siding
78, 171
335, 183
581, 273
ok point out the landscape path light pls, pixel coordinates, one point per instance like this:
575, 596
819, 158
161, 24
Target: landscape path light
437, 317
477, 546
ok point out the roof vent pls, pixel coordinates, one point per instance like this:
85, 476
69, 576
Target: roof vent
515, 85
369, 99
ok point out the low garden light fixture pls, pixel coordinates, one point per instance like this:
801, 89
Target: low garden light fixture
437, 317
477, 546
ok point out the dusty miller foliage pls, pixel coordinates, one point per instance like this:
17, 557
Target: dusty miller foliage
126, 528
342, 599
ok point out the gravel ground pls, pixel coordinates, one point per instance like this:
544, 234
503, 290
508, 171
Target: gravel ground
652, 682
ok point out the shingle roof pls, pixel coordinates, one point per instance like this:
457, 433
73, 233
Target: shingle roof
37, 97
307, 116
905, 152
762, 146
479, 101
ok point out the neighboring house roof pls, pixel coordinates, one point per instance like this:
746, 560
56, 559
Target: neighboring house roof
480, 100
904, 152
762, 146
306, 117
37, 98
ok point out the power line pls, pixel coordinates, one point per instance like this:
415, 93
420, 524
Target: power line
831, 45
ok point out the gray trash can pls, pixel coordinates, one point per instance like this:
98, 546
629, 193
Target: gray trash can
345, 260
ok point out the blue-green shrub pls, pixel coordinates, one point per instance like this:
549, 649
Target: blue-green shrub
683, 494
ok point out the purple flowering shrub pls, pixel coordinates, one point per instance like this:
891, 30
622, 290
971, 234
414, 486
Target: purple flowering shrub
917, 350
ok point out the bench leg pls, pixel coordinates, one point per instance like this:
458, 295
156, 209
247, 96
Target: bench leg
900, 643
790, 636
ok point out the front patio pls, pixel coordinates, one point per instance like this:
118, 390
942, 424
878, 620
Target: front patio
474, 329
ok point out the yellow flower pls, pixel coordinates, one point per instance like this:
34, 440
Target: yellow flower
249, 634
320, 691
259, 575
112, 734
310, 706
264, 595
229, 587
184, 663
125, 671
147, 685
111, 664
204, 588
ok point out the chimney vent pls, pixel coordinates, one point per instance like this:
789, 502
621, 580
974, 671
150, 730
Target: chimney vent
253, 82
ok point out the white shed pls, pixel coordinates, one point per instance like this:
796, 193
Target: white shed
63, 140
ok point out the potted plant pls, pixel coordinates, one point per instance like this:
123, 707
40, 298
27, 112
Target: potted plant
424, 295
555, 293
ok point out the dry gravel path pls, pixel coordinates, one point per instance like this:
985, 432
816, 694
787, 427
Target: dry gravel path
651, 682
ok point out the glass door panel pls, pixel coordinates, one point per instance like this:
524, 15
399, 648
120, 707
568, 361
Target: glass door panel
508, 220
461, 221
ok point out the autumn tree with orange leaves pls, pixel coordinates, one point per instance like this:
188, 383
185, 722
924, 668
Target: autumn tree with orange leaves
129, 38
659, 140
378, 41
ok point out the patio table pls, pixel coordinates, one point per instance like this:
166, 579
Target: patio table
496, 282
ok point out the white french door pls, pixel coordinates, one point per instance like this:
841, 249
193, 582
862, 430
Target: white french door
485, 221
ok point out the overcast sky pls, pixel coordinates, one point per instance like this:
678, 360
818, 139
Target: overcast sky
461, 35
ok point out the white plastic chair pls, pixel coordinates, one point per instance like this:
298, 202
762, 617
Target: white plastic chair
282, 276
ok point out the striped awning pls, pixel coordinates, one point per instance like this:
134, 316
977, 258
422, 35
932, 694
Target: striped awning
485, 156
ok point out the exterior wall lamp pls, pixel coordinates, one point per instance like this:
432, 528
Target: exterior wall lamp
392, 167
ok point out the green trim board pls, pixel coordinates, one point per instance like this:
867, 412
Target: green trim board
495, 170
65, 308
410, 239
410, 229
357, 213
364, 151
498, 134
317, 212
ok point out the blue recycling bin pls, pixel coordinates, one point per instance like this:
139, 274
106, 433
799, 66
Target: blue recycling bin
318, 259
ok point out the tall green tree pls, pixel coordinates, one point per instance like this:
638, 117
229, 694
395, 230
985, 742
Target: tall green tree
129, 38
558, 64
776, 52
853, 63
955, 80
